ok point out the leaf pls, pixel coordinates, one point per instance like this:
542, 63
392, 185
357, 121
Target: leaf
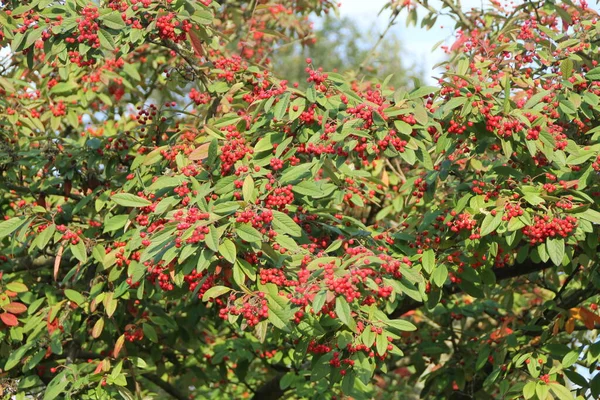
281, 107
59, 254
110, 303
248, 189
9, 226
490, 223
342, 309
529, 390
98, 327
248, 233
212, 239
79, 251
556, 250
115, 223
75, 296
228, 251
428, 260
113, 20
594, 74
56, 387
150, 332
118, 346
439, 275
9, 319
16, 356
215, 291
16, 287
319, 301
560, 391
278, 318
283, 223
15, 308
570, 359
106, 40
381, 343
401, 325
130, 200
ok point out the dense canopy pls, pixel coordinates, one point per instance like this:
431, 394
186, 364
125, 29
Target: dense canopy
180, 223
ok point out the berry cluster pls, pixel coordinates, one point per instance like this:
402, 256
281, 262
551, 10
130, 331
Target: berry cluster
545, 227
233, 150
253, 310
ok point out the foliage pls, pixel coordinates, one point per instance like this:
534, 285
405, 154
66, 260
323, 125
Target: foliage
246, 238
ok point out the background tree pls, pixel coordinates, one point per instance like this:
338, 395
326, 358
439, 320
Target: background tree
245, 238
340, 45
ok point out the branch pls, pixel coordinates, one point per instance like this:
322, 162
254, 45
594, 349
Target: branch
270, 390
395, 14
36, 193
459, 13
166, 386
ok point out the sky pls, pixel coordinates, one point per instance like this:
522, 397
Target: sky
417, 41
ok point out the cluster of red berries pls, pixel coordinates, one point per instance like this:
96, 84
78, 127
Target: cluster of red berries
233, 150
252, 310
198, 97
168, 27
87, 27
133, 333
257, 220
512, 210
545, 227
280, 198
461, 222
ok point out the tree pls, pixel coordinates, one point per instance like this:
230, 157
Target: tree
244, 238
340, 45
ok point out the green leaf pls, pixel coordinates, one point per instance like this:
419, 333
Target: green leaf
556, 250
285, 224
381, 343
342, 309
570, 359
428, 260
115, 223
402, 325
212, 239
594, 74
215, 291
248, 233
490, 223
529, 390
561, 392
281, 107
56, 387
150, 332
319, 301
75, 296
9, 226
439, 275
228, 251
248, 189
278, 318
79, 251
113, 20
16, 356
130, 200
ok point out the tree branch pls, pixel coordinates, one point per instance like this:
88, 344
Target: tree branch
166, 386
270, 390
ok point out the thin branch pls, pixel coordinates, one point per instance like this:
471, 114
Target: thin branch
166, 386
391, 23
